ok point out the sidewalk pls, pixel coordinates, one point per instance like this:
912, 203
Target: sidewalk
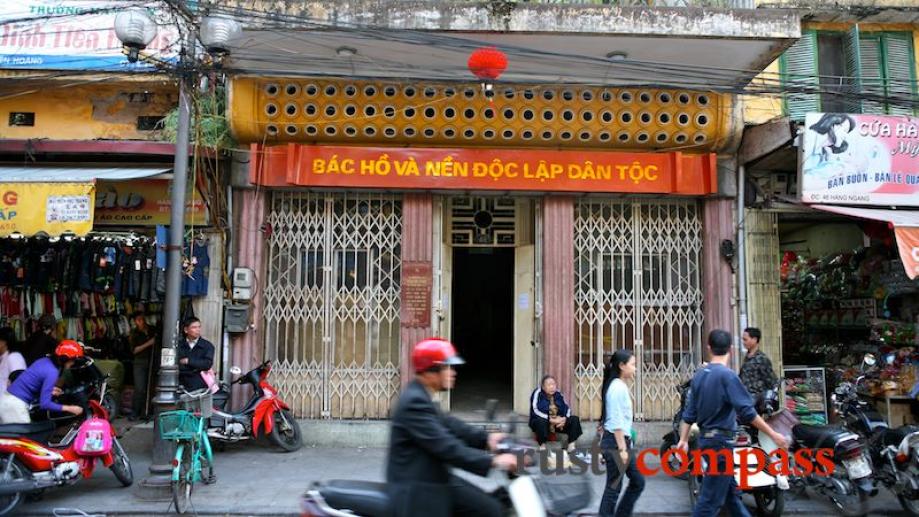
257, 480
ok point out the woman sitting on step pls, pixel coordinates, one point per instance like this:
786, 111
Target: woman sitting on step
550, 414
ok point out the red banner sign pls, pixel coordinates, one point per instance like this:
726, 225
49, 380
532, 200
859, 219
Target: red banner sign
486, 169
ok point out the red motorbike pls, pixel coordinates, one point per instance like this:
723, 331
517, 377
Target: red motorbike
29, 465
265, 414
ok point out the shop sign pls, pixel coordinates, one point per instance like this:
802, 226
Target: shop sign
75, 35
145, 202
52, 208
488, 169
860, 160
908, 244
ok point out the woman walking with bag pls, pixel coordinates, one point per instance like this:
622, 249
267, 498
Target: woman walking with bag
616, 443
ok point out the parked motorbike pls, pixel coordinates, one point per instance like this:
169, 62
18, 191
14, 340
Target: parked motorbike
768, 491
91, 382
894, 452
28, 465
264, 414
524, 494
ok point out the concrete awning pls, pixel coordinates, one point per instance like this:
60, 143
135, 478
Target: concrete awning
713, 49
905, 225
51, 174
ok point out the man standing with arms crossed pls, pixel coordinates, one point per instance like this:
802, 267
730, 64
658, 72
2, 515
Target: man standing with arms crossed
717, 399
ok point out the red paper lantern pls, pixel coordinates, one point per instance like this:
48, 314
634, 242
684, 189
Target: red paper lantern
487, 63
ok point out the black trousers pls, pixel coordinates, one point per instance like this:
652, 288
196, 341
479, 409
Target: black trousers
540, 427
470, 500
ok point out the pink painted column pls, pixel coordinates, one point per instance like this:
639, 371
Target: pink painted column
558, 291
717, 277
417, 249
247, 350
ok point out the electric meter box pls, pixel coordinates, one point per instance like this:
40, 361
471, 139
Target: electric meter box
243, 280
236, 318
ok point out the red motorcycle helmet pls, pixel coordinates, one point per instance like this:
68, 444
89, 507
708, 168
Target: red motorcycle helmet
69, 349
434, 352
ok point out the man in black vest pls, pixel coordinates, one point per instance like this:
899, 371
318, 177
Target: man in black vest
425, 443
196, 355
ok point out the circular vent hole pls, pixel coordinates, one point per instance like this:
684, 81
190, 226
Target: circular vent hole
291, 130
469, 113
568, 95
548, 95
311, 90
469, 133
350, 110
547, 135
683, 98
449, 132
290, 109
661, 137
664, 98
272, 89
350, 130
330, 110
625, 117
568, 115
509, 93
507, 134
271, 110
272, 130
409, 91
488, 113
389, 91
330, 130
430, 92
409, 112
587, 116
311, 130
370, 91
429, 132
449, 112
488, 133
370, 130
584, 136
587, 95
350, 90
331, 90
645, 117
642, 137
389, 131
449, 92
469, 93
699, 138
528, 94
526, 134
663, 118
528, 114
702, 120
430, 112
508, 114
409, 131
310, 109
625, 97
606, 116
623, 136
548, 115
644, 97
292, 89
604, 136
565, 135
683, 119
370, 110
389, 111
703, 100
606, 96
680, 138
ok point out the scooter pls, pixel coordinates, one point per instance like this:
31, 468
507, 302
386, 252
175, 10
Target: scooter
264, 414
92, 381
27, 465
894, 452
525, 493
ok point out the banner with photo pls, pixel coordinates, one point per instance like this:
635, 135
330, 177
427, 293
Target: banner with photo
860, 160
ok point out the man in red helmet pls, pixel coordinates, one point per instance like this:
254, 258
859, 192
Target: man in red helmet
39, 384
425, 443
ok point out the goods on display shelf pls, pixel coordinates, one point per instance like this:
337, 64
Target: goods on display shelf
805, 394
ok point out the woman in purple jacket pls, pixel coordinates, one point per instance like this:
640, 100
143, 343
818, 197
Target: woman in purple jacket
550, 413
39, 384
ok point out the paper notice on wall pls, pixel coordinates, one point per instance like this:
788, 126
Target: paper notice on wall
65, 209
523, 301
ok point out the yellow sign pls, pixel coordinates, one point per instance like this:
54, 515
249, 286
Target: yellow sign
51, 208
144, 202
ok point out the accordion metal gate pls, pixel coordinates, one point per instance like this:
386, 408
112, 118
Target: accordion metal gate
332, 302
637, 286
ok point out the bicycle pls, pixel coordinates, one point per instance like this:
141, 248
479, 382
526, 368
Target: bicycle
188, 428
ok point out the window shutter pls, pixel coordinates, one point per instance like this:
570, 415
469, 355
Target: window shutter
872, 74
898, 58
799, 75
853, 83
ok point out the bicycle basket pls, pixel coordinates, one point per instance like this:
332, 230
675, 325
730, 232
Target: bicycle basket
178, 425
199, 402
563, 495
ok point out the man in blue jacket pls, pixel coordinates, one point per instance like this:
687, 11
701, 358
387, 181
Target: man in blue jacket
550, 413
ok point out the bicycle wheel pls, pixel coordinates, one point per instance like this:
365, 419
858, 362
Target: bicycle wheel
182, 487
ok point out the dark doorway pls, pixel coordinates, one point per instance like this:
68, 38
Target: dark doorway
483, 327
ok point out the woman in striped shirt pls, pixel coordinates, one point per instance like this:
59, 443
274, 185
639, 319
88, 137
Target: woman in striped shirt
616, 442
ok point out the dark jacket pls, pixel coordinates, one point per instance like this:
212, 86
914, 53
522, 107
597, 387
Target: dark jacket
200, 359
423, 444
539, 404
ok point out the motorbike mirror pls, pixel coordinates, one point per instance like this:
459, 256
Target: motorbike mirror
491, 407
236, 370
870, 360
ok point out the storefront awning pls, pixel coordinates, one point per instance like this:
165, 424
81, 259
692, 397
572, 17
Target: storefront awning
905, 224
13, 174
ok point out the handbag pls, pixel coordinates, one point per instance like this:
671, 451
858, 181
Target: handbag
211, 380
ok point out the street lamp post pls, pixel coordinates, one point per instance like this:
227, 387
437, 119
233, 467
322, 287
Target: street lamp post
136, 30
